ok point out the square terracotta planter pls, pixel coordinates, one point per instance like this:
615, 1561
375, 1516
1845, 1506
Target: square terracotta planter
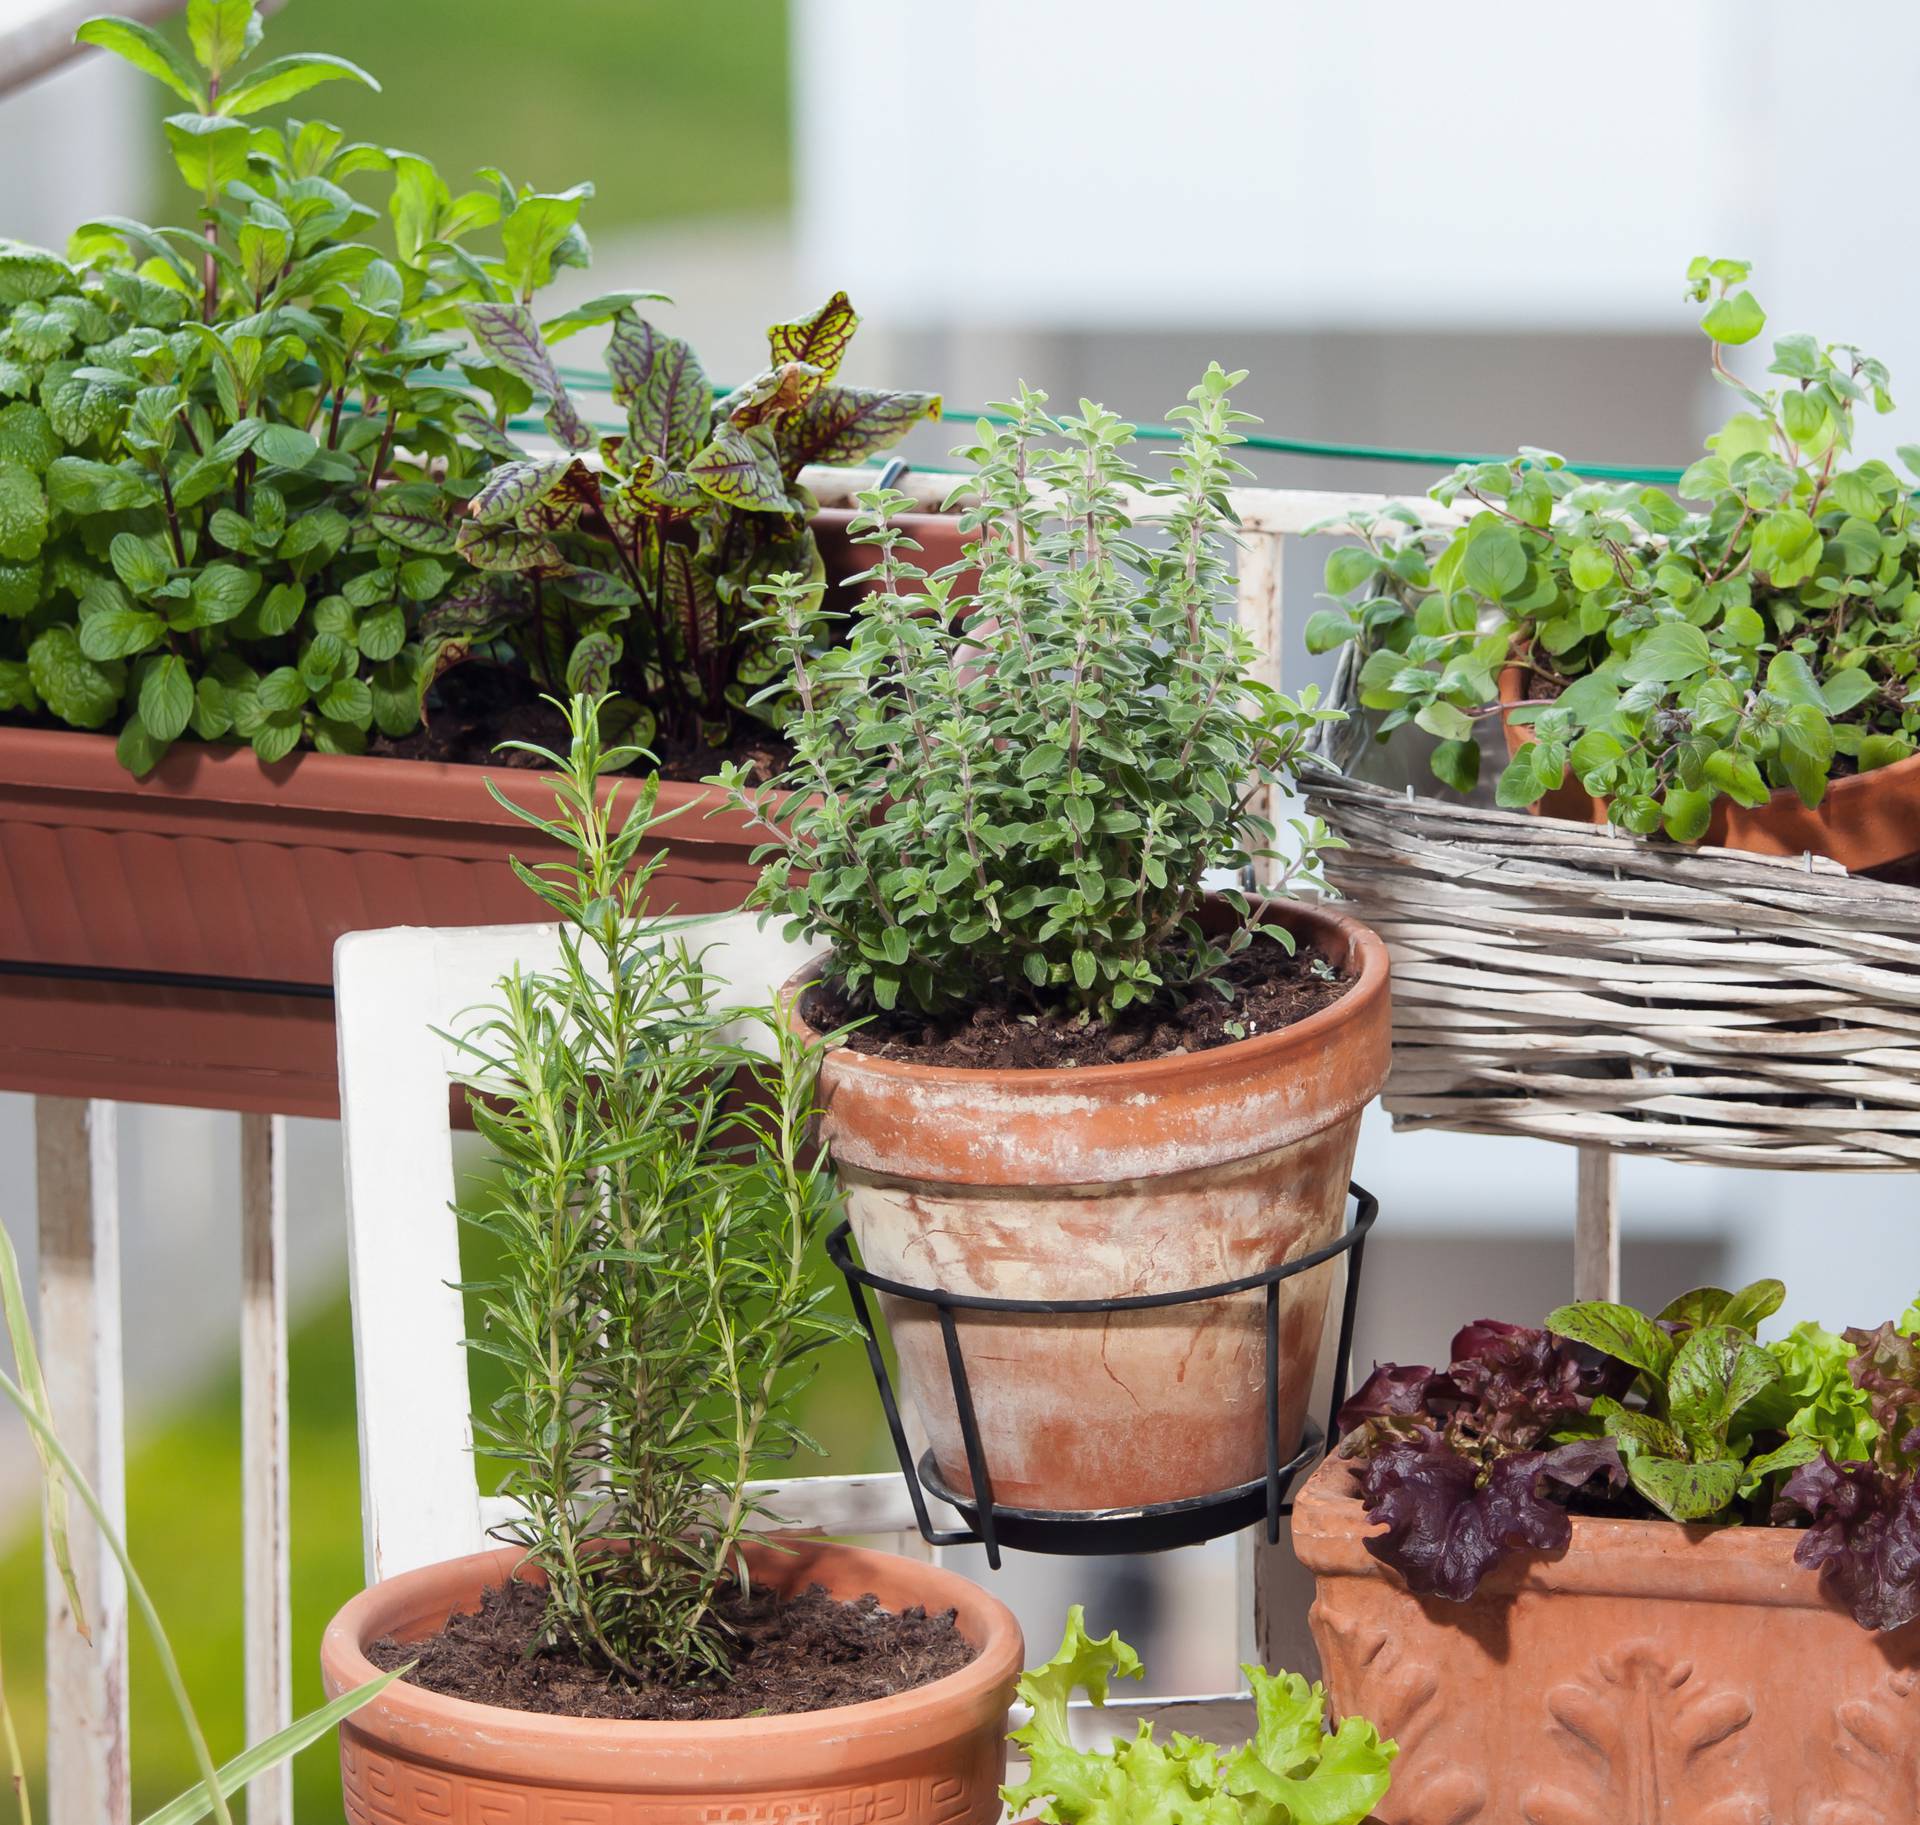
170, 939
1651, 1674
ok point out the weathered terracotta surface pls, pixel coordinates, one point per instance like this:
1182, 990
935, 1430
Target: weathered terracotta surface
935, 1756
1865, 821
1651, 1675
1103, 1182
216, 866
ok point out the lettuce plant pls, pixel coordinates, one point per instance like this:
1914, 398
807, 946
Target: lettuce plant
1294, 1772
234, 452
1018, 793
1685, 1414
1764, 639
638, 575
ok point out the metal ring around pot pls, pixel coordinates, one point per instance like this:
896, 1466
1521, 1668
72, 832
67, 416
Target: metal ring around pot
1113, 1530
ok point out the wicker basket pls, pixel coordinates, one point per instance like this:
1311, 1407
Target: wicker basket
1562, 981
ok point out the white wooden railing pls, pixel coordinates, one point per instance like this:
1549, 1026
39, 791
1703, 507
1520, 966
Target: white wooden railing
80, 1322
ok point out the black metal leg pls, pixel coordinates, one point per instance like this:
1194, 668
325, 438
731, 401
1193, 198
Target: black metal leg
970, 1436
1273, 1412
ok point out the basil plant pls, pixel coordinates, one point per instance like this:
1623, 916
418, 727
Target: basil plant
1763, 639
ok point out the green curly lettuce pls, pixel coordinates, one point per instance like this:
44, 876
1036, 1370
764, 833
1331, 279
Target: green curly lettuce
1816, 1397
1294, 1772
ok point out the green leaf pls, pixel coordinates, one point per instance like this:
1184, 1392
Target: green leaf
1667, 653
1786, 547
1716, 1370
210, 150
283, 78
1590, 567
166, 696
1618, 1331
138, 749
1457, 764
120, 633
660, 382
1806, 752
221, 32
1446, 720
347, 700
222, 591
820, 340
148, 52
195, 1804
30, 273
1517, 787
841, 426
1847, 690
1685, 814
27, 438
1735, 320
286, 446
510, 338
1495, 562
72, 686
739, 469
23, 512
1686, 1492
1791, 678
530, 236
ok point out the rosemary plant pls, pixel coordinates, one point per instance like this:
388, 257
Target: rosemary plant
653, 1209
1019, 793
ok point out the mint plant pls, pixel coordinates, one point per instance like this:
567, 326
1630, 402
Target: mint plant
1763, 640
234, 453
1686, 1415
639, 575
653, 1209
1295, 1771
1018, 793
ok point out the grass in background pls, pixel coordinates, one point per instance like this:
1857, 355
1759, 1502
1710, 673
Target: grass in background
673, 108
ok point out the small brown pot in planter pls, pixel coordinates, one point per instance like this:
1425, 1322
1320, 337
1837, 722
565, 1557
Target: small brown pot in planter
936, 1753
938, 535
1650, 1673
212, 891
1103, 1182
1866, 820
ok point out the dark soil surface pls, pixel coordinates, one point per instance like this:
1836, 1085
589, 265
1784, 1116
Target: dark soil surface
1270, 990
806, 1653
476, 707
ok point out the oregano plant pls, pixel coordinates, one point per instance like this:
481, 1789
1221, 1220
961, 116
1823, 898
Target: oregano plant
1019, 793
1764, 639
653, 1210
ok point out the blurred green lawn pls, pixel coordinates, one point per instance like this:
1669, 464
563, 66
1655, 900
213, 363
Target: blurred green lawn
674, 108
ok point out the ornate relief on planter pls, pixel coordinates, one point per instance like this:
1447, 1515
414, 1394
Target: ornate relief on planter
1650, 1675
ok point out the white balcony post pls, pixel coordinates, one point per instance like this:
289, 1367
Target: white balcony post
77, 1172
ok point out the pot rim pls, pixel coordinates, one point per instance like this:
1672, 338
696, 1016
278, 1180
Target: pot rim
432, 1722
81, 762
1369, 985
1655, 1559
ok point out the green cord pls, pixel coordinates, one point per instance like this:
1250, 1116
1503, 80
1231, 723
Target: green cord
587, 381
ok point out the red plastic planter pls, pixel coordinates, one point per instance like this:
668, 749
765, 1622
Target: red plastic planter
170, 939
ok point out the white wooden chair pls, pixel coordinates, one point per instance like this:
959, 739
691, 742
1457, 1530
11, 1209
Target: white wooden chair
396, 993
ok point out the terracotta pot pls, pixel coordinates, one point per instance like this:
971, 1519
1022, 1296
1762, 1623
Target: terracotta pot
1651, 1674
216, 887
933, 1756
1866, 820
1101, 1182
938, 535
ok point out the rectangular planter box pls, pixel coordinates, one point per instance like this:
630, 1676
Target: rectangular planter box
170, 939
1652, 1674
